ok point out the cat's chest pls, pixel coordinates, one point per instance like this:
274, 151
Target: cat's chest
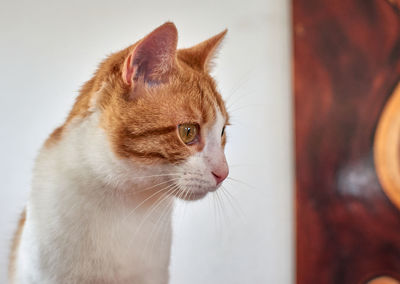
101, 248
134, 249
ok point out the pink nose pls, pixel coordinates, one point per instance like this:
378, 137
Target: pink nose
220, 174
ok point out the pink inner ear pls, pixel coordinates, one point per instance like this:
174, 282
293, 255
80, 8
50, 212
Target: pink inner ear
153, 57
129, 71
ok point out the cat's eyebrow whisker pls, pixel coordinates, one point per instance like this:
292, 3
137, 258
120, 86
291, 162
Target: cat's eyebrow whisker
239, 85
234, 103
230, 110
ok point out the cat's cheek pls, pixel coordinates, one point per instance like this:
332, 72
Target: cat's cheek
195, 178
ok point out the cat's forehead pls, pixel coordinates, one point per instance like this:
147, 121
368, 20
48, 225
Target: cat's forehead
200, 93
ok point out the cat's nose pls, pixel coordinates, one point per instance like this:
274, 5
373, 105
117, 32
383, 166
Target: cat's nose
221, 173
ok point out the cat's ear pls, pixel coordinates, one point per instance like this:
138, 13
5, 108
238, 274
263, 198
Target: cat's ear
201, 55
152, 58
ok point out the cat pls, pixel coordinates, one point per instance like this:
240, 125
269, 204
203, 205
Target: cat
148, 128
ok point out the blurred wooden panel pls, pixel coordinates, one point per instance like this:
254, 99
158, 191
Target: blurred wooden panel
346, 67
383, 280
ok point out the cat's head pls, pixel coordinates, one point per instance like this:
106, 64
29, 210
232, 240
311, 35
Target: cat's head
160, 108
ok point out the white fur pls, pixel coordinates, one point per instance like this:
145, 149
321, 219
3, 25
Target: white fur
197, 170
88, 220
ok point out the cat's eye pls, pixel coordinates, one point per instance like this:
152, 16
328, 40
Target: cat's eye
188, 132
223, 131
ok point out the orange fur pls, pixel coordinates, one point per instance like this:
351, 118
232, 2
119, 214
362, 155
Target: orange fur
137, 127
201, 55
15, 244
140, 113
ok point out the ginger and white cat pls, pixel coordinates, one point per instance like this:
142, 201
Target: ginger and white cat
147, 128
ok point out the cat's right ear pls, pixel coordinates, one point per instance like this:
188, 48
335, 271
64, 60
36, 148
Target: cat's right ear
152, 58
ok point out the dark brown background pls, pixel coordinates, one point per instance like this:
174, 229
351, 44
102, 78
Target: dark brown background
346, 65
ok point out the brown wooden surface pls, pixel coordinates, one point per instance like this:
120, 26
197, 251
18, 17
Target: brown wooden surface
346, 66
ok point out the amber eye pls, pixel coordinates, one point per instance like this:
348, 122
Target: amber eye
188, 132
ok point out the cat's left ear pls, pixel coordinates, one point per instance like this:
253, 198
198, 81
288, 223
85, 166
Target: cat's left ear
152, 58
201, 55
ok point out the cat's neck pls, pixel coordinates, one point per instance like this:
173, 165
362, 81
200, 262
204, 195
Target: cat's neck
83, 158
120, 221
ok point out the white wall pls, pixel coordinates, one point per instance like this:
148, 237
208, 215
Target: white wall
49, 48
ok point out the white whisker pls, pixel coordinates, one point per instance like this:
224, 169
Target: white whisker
233, 201
148, 213
166, 211
160, 175
241, 182
141, 203
153, 186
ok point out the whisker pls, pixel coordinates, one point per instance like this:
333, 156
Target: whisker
153, 186
182, 205
186, 194
148, 198
241, 182
157, 228
223, 208
160, 175
240, 99
230, 110
233, 201
239, 85
163, 197
215, 209
219, 211
161, 214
